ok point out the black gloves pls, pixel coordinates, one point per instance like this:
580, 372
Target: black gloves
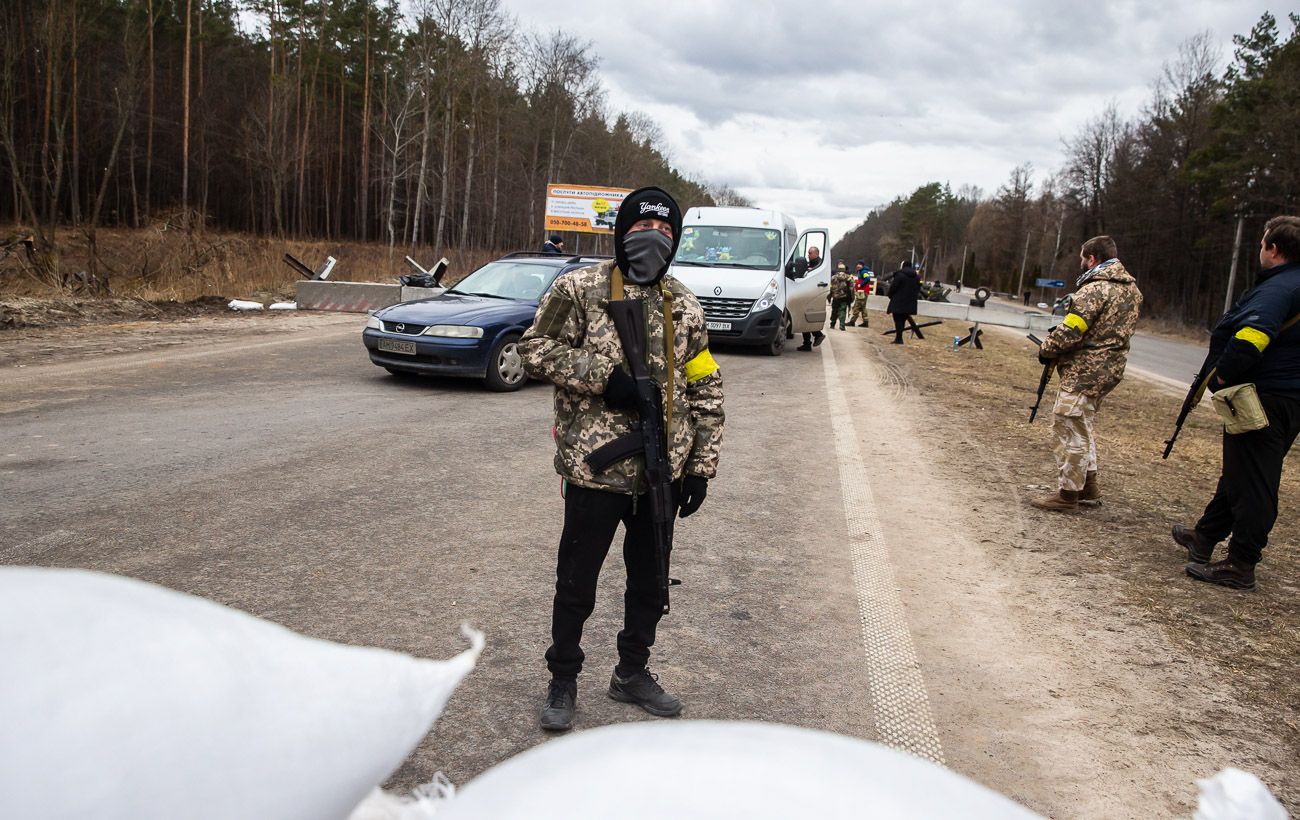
694, 488
620, 391
1045, 360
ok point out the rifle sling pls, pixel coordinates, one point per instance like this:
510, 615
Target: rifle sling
615, 451
617, 294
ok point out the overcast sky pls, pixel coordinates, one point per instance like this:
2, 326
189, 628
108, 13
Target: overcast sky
827, 109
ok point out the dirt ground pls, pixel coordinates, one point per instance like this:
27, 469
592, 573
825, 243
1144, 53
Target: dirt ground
1116, 563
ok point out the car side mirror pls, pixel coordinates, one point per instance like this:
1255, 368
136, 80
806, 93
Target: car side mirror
797, 269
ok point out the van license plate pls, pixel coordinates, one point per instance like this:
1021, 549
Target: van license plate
396, 346
717, 325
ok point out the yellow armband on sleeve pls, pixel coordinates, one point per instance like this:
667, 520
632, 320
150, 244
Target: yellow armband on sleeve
1256, 337
1076, 322
702, 366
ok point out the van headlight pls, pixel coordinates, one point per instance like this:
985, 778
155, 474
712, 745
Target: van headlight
768, 298
454, 331
374, 323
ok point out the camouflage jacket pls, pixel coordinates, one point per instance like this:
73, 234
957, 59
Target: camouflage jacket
573, 344
1091, 344
842, 285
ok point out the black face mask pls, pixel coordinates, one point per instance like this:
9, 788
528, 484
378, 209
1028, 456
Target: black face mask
647, 256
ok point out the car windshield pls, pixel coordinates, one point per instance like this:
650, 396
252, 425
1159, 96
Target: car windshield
508, 280
758, 248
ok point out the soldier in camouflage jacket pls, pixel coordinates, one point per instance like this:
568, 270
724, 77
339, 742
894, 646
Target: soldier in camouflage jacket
574, 344
841, 295
1089, 350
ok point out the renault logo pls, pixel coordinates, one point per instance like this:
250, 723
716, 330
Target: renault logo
401, 328
717, 291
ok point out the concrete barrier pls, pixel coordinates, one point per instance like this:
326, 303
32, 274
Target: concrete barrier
409, 293
349, 297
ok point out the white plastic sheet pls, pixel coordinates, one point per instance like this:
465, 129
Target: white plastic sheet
687, 769
244, 304
122, 699
1236, 795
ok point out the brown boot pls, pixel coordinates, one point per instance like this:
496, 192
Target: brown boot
1091, 491
1225, 573
1198, 550
1060, 501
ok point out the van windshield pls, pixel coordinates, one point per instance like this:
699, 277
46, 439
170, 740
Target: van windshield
705, 245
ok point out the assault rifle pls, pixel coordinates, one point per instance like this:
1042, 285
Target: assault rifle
1194, 396
649, 439
1042, 381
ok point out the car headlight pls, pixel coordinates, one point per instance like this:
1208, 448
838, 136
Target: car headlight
454, 331
374, 323
768, 298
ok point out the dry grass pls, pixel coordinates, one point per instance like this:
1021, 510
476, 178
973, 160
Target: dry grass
163, 263
1251, 637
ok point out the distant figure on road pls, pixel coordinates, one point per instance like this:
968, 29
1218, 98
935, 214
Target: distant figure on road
841, 295
1253, 344
553, 244
904, 287
575, 345
1090, 349
861, 289
811, 340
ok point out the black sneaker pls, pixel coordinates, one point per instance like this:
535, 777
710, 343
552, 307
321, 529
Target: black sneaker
1197, 550
643, 689
1225, 573
818, 337
561, 700
806, 346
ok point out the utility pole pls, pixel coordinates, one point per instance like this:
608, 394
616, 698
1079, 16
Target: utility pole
1024, 257
1232, 271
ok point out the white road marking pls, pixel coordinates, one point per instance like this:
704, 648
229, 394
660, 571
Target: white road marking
898, 695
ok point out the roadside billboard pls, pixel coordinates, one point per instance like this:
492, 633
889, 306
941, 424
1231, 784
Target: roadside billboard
582, 208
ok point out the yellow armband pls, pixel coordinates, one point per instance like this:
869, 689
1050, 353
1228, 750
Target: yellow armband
1256, 337
1076, 322
702, 366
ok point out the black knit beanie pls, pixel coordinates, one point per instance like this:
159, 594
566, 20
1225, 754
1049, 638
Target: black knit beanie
646, 203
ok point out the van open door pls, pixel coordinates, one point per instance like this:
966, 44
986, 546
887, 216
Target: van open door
807, 280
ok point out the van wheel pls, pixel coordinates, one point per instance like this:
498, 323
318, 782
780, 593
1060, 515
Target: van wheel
777, 346
505, 371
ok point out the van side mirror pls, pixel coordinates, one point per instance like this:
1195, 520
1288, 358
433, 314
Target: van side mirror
797, 268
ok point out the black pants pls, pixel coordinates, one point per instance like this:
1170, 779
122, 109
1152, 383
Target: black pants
900, 321
1245, 503
590, 520
808, 337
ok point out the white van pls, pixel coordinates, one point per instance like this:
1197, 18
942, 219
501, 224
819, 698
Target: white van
750, 270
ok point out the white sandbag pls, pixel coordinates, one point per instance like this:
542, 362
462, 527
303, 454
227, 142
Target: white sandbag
244, 304
283, 306
715, 769
1236, 795
121, 699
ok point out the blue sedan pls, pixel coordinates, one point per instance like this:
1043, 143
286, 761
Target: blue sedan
473, 328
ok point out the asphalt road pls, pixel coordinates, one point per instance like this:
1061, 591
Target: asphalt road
291, 478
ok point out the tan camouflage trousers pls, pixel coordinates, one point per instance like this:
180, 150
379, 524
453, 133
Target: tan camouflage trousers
1075, 445
859, 310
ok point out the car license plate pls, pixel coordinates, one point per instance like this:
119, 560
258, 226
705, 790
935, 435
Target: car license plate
718, 325
397, 346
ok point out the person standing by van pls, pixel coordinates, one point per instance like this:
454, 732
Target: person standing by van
816, 337
861, 289
904, 287
841, 295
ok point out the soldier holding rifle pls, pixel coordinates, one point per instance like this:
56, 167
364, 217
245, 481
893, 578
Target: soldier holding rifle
1089, 350
618, 464
1257, 342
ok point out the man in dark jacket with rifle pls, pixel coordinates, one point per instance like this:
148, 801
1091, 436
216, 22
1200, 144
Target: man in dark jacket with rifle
904, 288
638, 427
1256, 342
1089, 350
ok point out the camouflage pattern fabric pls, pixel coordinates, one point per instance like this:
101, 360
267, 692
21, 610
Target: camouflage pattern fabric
574, 345
859, 310
1091, 345
839, 308
842, 285
1075, 446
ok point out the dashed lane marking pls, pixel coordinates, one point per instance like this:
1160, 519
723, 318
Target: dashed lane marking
898, 695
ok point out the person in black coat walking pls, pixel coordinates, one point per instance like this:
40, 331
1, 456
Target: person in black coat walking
904, 288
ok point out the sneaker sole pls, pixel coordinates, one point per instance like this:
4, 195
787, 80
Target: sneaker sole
1224, 583
622, 698
557, 727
